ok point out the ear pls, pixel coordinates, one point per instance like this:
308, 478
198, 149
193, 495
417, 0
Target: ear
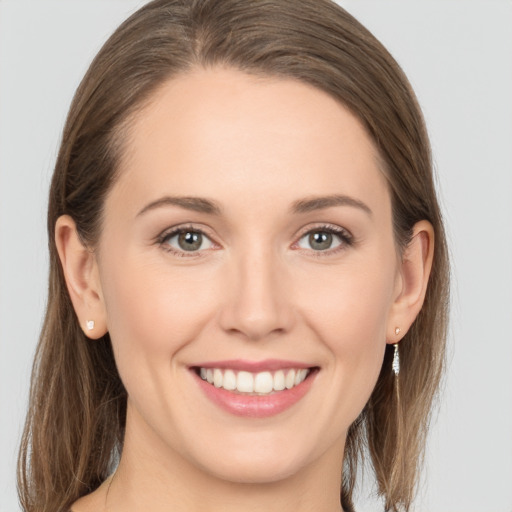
82, 278
414, 272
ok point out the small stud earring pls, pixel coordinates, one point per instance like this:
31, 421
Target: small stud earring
397, 330
90, 325
396, 361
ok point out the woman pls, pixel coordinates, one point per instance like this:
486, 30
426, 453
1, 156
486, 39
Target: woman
248, 282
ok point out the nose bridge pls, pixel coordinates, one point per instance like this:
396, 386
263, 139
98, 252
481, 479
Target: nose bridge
257, 303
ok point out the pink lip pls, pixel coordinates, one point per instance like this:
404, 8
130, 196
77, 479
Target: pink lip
269, 365
254, 406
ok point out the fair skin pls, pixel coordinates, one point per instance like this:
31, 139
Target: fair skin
257, 286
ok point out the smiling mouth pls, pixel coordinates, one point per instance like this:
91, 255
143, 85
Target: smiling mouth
256, 384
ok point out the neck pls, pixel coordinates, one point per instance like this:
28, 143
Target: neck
153, 477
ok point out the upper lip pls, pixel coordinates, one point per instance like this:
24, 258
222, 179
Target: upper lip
253, 366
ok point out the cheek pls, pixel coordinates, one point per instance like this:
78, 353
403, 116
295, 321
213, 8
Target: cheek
151, 314
351, 305
350, 316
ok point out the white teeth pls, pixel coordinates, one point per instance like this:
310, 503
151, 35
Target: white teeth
229, 380
245, 382
260, 383
300, 376
279, 384
263, 382
290, 379
217, 378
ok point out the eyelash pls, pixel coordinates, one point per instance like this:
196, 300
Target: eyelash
345, 237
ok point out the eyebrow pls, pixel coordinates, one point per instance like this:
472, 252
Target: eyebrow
319, 203
208, 206
197, 204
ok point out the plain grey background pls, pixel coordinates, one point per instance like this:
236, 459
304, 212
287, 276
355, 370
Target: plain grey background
458, 56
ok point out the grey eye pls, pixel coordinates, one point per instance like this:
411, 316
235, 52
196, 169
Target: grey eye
320, 240
188, 240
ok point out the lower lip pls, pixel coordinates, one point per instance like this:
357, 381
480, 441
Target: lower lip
256, 406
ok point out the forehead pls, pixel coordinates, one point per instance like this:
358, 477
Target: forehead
225, 133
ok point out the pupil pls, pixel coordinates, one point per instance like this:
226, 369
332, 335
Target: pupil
320, 240
190, 241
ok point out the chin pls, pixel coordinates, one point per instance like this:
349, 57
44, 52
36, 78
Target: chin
255, 471
257, 459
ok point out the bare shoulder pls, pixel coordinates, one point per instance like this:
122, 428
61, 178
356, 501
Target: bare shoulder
94, 502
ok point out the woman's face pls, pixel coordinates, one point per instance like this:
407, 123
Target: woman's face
249, 236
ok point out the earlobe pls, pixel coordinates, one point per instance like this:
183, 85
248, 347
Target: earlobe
80, 270
416, 265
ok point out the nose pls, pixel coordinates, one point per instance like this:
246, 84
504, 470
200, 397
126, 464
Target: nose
258, 302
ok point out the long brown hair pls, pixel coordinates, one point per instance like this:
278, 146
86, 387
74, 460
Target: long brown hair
75, 424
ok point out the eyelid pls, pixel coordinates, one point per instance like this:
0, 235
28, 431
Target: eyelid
326, 227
